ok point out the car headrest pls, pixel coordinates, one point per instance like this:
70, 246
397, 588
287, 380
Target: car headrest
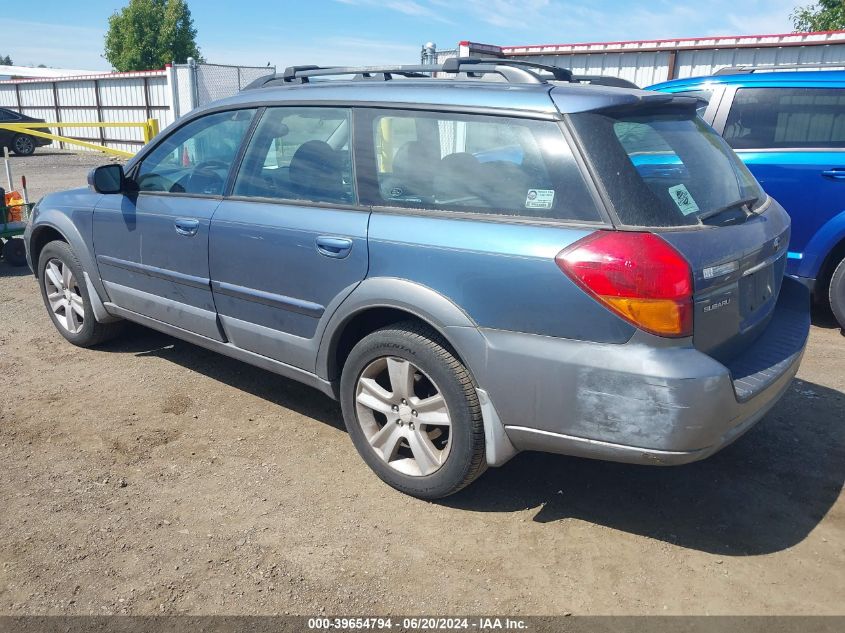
457, 177
315, 171
413, 168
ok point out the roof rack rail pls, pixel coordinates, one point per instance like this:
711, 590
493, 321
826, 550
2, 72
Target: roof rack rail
513, 71
751, 69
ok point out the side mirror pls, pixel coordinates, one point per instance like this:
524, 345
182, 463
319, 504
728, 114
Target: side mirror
107, 179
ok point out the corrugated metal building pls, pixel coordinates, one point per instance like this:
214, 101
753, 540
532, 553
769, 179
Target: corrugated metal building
648, 62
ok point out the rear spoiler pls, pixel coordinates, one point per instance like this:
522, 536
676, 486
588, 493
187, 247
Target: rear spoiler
646, 99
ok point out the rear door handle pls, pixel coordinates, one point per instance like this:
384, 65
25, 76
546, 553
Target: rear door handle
186, 226
337, 247
837, 173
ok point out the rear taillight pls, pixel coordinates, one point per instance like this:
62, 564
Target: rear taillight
637, 275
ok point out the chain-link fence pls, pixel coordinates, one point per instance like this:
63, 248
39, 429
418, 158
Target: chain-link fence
216, 81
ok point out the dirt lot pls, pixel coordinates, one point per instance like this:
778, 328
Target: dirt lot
152, 476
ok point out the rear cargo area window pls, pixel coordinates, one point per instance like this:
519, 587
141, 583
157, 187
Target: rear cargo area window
491, 165
765, 118
665, 167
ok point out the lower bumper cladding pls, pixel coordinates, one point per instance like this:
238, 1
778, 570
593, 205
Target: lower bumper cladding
644, 402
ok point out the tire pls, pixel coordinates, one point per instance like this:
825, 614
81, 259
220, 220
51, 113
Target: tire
14, 252
65, 293
390, 434
23, 145
836, 294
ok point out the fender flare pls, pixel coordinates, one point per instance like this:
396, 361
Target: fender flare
400, 294
60, 222
459, 330
820, 246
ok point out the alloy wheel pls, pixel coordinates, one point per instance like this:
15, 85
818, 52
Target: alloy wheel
64, 296
24, 145
404, 416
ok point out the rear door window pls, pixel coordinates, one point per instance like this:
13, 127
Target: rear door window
478, 164
771, 118
665, 167
299, 154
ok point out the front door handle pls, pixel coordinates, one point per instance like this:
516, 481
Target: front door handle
337, 247
186, 226
837, 173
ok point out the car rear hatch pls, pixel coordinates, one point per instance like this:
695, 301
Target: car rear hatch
663, 170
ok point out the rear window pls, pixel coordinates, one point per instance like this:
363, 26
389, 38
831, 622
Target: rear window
766, 118
664, 167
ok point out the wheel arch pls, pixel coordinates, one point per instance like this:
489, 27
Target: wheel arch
829, 264
55, 224
829, 244
381, 301
42, 235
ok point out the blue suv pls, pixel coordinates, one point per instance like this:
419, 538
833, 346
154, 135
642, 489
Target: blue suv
473, 268
789, 128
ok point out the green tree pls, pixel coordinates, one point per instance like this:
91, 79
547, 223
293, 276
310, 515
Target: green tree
6, 61
148, 34
826, 15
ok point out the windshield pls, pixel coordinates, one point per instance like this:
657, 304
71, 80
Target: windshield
665, 167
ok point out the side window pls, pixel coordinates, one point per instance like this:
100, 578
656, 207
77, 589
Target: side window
491, 165
8, 115
762, 118
703, 96
197, 157
299, 154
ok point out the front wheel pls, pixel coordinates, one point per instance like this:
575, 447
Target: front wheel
412, 411
23, 145
836, 293
66, 297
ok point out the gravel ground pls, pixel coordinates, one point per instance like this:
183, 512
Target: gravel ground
151, 476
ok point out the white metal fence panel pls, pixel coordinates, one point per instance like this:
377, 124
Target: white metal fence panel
117, 97
124, 98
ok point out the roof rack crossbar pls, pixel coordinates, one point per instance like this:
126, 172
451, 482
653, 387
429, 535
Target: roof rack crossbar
557, 73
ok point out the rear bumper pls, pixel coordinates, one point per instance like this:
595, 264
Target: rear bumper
646, 401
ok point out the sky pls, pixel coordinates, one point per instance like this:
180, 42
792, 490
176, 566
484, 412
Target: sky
68, 34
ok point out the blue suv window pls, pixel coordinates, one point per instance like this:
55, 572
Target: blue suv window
770, 118
197, 157
299, 154
480, 164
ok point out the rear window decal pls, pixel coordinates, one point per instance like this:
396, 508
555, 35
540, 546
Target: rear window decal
683, 198
540, 199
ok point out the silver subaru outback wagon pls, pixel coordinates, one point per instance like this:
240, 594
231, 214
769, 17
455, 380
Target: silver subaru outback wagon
494, 260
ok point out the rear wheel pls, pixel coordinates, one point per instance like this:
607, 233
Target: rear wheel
412, 411
66, 297
15, 252
23, 145
836, 294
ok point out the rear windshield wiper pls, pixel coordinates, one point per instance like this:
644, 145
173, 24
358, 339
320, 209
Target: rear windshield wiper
748, 203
